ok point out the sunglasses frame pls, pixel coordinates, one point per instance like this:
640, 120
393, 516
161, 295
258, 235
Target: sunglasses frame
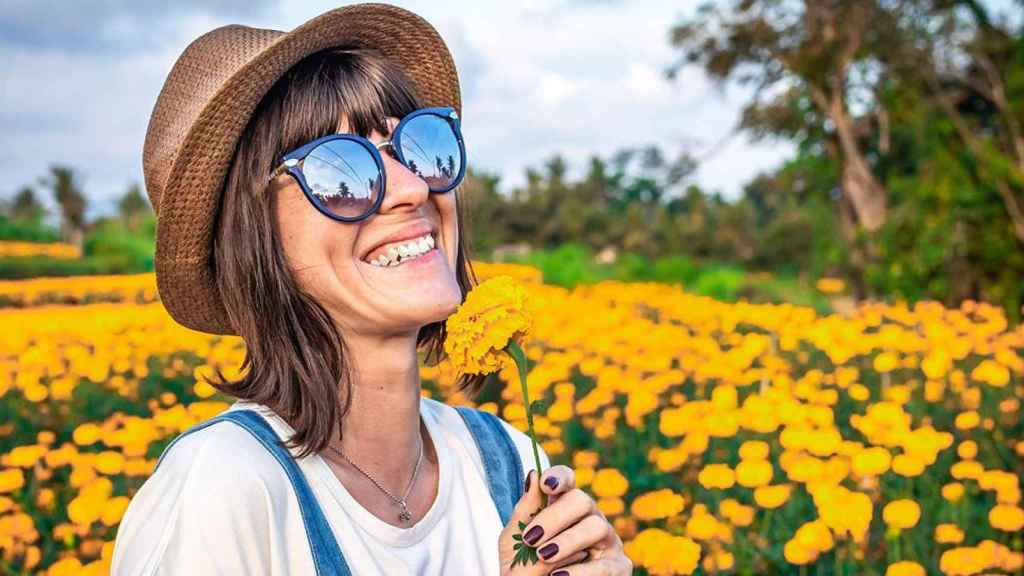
291, 161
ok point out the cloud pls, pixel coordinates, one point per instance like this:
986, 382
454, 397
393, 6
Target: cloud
109, 25
80, 79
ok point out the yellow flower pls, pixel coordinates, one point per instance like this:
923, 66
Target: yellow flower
905, 568
609, 483
948, 534
493, 313
656, 505
754, 450
753, 473
901, 514
871, 461
769, 497
1006, 518
660, 552
716, 476
886, 362
906, 465
967, 449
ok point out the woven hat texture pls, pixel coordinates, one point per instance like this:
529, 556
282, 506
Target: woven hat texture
207, 100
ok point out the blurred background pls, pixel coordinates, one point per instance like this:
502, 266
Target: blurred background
824, 199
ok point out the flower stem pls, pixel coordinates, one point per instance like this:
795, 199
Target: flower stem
522, 363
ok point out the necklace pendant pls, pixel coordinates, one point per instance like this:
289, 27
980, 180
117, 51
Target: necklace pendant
404, 515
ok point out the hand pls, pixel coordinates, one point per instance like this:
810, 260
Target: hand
583, 542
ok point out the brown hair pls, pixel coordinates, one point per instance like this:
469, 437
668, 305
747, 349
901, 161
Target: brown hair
294, 360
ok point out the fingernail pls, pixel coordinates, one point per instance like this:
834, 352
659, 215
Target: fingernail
533, 534
552, 482
528, 475
549, 550
560, 573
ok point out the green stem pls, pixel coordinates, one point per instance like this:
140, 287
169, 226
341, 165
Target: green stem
522, 363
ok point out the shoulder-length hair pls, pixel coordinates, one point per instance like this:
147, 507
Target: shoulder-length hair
295, 356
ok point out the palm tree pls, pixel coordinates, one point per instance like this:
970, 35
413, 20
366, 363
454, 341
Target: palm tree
63, 182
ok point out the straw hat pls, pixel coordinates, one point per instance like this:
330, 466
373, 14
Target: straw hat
205, 104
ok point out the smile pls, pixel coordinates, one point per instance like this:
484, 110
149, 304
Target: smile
401, 252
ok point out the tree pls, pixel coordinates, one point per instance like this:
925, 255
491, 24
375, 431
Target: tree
26, 207
68, 195
133, 207
819, 47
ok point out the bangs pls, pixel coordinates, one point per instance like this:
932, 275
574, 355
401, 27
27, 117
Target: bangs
354, 83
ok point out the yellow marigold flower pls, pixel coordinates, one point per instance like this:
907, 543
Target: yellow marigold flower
585, 459
658, 504
966, 469
797, 553
967, 420
859, 392
901, 514
11, 479
828, 285
992, 373
1006, 518
86, 434
719, 560
962, 561
814, 535
702, 526
905, 568
967, 449
493, 313
948, 534
716, 476
113, 510
886, 362
769, 497
907, 465
736, 513
754, 473
953, 491
662, 553
612, 506
754, 450
871, 461
609, 483
69, 566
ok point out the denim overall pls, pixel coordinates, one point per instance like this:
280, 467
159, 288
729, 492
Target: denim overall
504, 470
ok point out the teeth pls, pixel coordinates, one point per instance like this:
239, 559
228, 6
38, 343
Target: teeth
396, 254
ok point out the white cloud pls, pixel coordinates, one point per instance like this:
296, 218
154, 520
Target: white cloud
537, 79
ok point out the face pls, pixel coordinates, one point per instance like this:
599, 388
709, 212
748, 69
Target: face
330, 259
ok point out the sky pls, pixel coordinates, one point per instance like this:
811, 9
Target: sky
538, 77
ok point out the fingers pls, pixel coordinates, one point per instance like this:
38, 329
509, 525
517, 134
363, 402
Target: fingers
570, 508
557, 480
613, 565
580, 536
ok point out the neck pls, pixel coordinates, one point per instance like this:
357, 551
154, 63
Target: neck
381, 431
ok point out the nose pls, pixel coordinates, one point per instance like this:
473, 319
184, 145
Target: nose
404, 190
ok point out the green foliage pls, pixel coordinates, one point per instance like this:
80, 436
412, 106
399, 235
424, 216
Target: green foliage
111, 239
26, 231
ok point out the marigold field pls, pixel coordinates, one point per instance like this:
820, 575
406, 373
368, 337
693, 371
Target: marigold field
718, 438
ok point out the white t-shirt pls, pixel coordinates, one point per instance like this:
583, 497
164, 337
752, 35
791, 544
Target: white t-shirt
220, 503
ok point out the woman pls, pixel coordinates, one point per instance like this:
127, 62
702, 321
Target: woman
305, 185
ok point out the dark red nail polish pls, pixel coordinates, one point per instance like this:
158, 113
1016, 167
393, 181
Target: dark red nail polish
533, 534
528, 475
549, 550
552, 482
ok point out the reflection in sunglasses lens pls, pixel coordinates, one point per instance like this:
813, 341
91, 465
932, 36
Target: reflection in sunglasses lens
431, 150
343, 177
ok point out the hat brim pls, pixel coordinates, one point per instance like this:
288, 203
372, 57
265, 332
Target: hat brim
190, 201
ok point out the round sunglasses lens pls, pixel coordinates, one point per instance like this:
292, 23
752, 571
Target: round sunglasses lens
431, 150
343, 177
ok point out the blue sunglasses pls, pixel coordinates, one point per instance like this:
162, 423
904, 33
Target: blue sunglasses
343, 176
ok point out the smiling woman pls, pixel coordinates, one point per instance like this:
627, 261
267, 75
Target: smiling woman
305, 185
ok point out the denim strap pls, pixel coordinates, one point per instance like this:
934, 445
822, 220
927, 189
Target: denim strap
327, 556
501, 460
